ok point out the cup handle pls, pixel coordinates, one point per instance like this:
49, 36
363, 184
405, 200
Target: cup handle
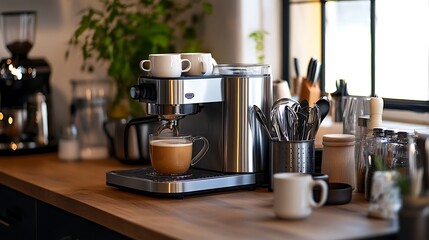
108, 133
215, 69
204, 68
323, 195
189, 65
142, 62
202, 152
214, 62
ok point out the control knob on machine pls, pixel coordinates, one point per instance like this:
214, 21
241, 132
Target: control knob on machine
143, 92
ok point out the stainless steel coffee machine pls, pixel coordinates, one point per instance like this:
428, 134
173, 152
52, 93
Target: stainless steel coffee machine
218, 107
26, 123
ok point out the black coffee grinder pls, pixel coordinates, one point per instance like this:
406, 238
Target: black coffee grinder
26, 119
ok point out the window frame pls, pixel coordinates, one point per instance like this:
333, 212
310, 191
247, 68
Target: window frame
398, 104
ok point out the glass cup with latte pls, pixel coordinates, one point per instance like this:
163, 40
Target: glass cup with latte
172, 155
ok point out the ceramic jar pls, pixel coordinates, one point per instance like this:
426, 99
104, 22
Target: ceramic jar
338, 159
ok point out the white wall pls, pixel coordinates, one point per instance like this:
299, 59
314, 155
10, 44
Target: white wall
225, 35
228, 29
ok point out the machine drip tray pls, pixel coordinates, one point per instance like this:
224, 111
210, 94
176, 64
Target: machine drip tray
194, 181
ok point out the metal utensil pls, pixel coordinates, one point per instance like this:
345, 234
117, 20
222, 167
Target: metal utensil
304, 103
300, 126
292, 122
311, 121
260, 116
324, 106
284, 101
282, 123
277, 115
274, 122
316, 124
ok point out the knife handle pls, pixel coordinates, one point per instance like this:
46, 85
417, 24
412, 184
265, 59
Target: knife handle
296, 65
309, 69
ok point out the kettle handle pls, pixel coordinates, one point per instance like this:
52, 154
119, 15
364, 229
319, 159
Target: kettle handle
108, 134
132, 122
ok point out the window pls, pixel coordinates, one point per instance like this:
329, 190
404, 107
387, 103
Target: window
378, 46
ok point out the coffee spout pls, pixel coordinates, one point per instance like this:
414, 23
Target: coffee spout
170, 125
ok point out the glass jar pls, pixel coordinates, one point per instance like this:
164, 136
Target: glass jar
392, 143
401, 160
91, 99
375, 156
361, 136
68, 146
354, 108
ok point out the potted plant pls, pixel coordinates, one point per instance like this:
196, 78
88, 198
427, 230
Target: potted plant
259, 39
123, 33
126, 31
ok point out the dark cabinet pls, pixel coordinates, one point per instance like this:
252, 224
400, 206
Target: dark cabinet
17, 215
54, 223
23, 217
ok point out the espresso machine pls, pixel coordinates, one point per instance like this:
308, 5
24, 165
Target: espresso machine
218, 107
26, 123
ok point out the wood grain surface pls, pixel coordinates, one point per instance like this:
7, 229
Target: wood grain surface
80, 188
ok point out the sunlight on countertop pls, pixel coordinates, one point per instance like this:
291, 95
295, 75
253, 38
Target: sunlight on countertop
328, 126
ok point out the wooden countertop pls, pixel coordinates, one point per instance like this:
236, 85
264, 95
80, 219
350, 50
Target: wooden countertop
241, 214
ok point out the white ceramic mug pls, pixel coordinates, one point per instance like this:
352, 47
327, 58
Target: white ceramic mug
202, 63
166, 65
293, 195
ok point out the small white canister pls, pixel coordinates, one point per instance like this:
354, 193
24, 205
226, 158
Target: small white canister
338, 159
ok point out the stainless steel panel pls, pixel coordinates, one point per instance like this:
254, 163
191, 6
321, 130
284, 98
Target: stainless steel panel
207, 123
185, 90
245, 144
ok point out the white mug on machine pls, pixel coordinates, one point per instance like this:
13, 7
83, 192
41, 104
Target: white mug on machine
293, 195
202, 63
165, 65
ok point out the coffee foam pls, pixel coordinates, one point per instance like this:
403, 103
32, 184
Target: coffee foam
170, 143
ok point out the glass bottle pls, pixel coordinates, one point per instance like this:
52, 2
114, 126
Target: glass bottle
68, 146
400, 161
361, 136
375, 156
392, 142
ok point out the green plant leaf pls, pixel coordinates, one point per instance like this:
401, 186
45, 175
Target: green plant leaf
208, 8
379, 163
123, 32
259, 36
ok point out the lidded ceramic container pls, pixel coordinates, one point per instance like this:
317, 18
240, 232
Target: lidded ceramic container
338, 158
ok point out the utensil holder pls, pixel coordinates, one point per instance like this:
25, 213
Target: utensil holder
295, 87
309, 91
291, 156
